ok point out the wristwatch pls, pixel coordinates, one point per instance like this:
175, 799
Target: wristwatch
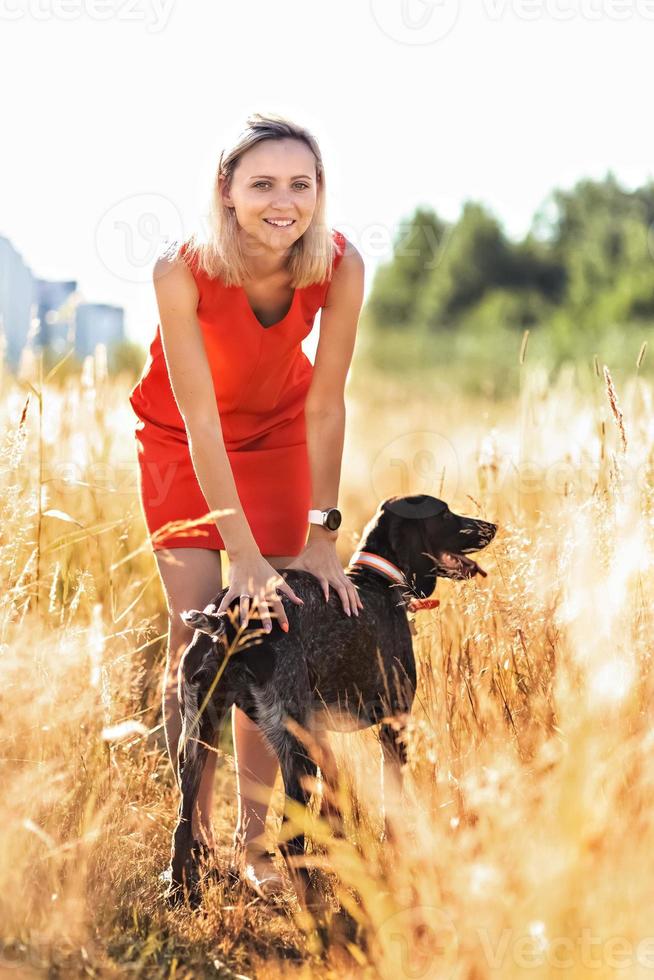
330, 518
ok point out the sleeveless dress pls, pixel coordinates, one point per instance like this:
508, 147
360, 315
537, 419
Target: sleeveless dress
261, 378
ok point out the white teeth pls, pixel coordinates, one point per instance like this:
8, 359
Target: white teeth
280, 224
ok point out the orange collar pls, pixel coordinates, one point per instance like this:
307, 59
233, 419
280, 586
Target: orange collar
390, 571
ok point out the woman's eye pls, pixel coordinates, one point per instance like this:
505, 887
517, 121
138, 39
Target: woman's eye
298, 183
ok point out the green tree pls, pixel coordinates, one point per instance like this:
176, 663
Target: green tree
476, 258
601, 234
397, 284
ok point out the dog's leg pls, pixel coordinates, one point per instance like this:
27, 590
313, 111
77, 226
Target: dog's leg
316, 741
298, 771
394, 757
329, 808
199, 733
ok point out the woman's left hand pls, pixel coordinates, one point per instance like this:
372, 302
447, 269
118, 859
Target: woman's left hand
320, 558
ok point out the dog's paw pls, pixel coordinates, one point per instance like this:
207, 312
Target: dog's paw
177, 895
173, 896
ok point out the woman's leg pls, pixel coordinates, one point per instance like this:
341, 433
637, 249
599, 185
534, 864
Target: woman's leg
191, 579
256, 766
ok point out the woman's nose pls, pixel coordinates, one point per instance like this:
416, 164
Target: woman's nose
282, 201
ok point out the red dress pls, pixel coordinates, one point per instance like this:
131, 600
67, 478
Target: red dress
261, 378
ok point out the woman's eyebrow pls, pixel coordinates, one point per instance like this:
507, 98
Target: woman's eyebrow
268, 177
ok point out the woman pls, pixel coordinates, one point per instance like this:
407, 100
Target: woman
234, 419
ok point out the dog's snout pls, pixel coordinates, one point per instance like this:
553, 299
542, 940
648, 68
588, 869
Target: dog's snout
486, 532
491, 530
475, 534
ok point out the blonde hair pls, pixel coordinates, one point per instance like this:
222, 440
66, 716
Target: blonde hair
219, 254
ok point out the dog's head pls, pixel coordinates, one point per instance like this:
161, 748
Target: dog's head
427, 540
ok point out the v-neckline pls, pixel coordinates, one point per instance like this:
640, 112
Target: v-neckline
256, 319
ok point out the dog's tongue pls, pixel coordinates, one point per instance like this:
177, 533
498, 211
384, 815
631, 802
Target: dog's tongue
461, 563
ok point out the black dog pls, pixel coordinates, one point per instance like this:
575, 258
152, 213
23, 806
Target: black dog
360, 669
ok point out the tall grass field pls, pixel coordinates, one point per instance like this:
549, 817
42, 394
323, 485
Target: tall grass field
525, 836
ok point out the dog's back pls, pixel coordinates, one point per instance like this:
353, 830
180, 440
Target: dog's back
353, 662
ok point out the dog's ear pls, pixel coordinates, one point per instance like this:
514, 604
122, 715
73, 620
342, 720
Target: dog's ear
205, 622
407, 538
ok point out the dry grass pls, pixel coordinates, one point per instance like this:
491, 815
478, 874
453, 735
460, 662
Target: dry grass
525, 833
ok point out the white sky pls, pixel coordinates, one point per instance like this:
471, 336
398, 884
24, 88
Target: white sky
116, 110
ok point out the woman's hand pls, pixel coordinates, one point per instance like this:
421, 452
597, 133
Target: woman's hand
320, 558
250, 575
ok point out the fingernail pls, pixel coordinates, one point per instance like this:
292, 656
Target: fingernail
268, 629
285, 627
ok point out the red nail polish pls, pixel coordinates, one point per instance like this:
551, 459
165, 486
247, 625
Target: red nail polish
285, 627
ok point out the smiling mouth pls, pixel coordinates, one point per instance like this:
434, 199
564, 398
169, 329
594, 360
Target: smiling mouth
453, 565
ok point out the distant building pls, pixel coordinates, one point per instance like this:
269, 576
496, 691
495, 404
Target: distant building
56, 303
16, 300
97, 323
39, 313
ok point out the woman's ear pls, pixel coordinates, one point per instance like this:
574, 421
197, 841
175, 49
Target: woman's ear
225, 190
408, 542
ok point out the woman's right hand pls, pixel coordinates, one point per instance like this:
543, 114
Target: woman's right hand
250, 575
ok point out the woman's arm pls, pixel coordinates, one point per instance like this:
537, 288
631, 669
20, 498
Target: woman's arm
324, 411
325, 438
192, 385
325, 402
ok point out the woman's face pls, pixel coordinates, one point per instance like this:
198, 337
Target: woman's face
274, 180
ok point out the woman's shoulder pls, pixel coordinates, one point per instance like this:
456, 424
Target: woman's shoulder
181, 250
173, 254
346, 253
344, 250
186, 251
341, 242
172, 267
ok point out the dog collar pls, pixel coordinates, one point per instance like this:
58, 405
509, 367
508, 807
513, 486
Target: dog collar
386, 568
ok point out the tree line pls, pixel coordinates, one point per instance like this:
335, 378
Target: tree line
587, 262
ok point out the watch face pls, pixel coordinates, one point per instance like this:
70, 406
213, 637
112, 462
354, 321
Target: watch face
333, 519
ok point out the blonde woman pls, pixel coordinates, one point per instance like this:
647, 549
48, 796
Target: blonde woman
232, 416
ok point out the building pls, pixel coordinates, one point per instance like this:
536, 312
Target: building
17, 309
97, 323
40, 313
55, 302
